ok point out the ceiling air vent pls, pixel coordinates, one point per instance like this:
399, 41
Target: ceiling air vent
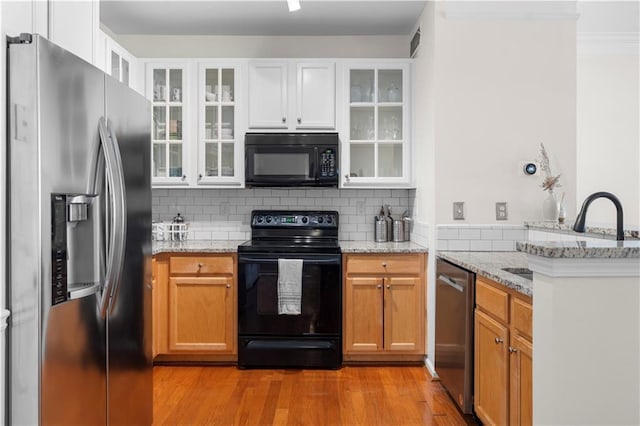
415, 42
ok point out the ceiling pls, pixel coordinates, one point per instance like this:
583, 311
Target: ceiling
261, 17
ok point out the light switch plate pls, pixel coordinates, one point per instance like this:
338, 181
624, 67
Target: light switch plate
458, 210
501, 211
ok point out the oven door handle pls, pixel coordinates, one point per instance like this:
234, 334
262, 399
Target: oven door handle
305, 259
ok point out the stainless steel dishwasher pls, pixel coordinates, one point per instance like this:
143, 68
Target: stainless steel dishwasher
455, 294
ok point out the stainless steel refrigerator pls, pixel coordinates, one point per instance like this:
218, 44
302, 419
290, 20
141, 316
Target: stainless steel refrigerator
79, 242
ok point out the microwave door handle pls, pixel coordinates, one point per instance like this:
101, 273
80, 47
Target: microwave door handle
314, 165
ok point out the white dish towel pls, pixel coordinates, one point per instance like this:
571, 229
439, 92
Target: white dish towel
289, 286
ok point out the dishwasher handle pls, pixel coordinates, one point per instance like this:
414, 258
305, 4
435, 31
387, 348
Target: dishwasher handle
451, 282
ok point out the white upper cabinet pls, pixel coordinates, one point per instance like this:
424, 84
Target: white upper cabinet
168, 90
220, 135
292, 95
74, 25
268, 95
377, 135
316, 95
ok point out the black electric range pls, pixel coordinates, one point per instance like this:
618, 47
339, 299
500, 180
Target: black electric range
313, 337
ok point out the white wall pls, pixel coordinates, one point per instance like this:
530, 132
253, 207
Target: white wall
424, 153
266, 47
608, 123
502, 87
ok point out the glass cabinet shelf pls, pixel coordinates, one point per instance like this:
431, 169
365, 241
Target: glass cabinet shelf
377, 120
217, 159
167, 124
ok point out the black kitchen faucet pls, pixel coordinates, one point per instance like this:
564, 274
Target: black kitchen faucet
579, 226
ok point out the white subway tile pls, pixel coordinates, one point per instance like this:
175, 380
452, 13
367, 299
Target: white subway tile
447, 233
514, 234
469, 234
442, 245
219, 235
459, 245
503, 245
491, 234
358, 236
480, 245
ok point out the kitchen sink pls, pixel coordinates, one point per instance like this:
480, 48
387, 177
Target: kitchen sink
525, 273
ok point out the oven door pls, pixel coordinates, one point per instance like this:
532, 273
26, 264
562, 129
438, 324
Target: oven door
280, 165
321, 307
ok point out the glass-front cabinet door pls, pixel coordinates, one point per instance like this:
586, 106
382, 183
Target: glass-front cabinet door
219, 144
169, 142
378, 148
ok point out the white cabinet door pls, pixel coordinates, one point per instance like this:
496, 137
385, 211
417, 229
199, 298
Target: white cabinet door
73, 25
168, 90
316, 95
268, 95
377, 131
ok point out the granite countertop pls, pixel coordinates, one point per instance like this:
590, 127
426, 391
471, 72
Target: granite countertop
196, 246
600, 249
222, 246
567, 228
490, 263
388, 247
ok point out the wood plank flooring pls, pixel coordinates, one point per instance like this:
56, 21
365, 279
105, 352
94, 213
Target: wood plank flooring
354, 395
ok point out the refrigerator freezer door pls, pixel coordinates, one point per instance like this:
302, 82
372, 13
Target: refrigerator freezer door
129, 315
57, 353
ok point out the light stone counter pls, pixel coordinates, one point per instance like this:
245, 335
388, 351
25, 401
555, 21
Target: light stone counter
567, 228
490, 263
196, 246
600, 249
388, 247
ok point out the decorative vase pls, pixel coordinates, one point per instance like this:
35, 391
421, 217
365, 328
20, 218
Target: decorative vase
550, 208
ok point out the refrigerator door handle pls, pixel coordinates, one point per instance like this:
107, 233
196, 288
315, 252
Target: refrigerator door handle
116, 228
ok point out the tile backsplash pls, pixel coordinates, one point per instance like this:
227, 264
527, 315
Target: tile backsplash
223, 214
479, 237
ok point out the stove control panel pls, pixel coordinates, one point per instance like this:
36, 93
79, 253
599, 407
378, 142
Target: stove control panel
295, 219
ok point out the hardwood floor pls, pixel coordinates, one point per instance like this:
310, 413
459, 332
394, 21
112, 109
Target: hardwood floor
360, 395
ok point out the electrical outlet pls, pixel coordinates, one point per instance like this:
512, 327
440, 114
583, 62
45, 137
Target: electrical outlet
458, 210
501, 211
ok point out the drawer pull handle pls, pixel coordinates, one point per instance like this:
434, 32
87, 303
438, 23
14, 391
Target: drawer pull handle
200, 265
512, 350
384, 264
498, 340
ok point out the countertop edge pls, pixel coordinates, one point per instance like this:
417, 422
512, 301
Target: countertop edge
491, 269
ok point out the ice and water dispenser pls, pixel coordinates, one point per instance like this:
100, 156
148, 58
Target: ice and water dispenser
75, 264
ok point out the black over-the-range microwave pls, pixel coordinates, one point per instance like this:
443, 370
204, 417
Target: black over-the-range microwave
291, 159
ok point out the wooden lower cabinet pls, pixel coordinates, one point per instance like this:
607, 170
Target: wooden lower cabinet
195, 308
383, 307
503, 355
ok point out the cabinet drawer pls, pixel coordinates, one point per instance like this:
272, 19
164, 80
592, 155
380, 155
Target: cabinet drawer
201, 265
522, 317
492, 300
407, 264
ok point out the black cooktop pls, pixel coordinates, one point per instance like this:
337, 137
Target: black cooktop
293, 231
289, 246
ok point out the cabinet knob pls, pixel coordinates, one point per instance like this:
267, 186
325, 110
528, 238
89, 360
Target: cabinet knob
388, 286
379, 286
200, 176
384, 264
346, 177
512, 350
299, 120
200, 265
184, 177
498, 340
228, 285
284, 119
